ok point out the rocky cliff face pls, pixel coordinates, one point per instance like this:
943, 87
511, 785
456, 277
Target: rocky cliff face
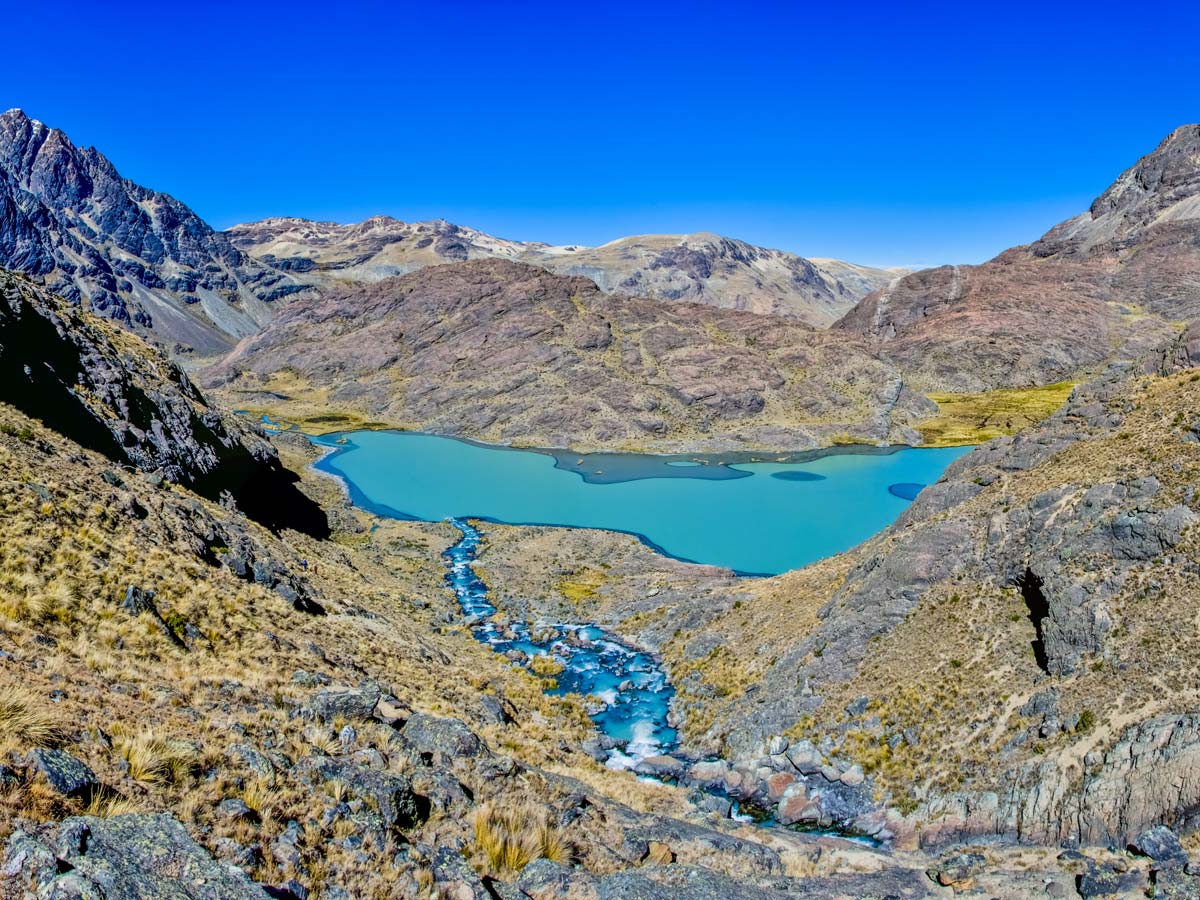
1105, 285
130, 254
507, 352
697, 268
110, 392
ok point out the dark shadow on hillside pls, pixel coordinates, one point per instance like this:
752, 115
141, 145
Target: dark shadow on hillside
1039, 609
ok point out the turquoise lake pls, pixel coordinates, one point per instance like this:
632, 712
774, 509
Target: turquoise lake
752, 517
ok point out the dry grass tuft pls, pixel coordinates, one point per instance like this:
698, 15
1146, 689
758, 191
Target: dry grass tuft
153, 758
26, 720
510, 837
107, 804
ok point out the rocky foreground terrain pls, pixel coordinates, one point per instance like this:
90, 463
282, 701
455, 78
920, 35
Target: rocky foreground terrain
696, 268
1106, 285
510, 353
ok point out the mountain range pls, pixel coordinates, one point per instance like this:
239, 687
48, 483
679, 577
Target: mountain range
144, 259
699, 268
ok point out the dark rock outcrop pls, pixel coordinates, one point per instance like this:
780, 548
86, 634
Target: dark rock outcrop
112, 393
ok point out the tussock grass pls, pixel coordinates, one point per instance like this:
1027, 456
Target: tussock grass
26, 720
154, 758
107, 804
511, 836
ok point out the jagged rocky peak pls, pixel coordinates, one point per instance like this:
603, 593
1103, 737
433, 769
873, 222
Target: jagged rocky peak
128, 253
1163, 187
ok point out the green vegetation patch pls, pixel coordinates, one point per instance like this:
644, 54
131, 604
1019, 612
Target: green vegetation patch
975, 418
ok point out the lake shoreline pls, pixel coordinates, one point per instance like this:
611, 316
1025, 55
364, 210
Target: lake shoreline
752, 516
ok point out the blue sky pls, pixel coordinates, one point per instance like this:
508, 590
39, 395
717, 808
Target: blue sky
882, 133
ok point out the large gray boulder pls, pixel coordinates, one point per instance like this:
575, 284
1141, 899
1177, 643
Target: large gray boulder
132, 857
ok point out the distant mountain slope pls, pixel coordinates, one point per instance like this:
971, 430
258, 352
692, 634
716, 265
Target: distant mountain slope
508, 352
129, 253
702, 268
1104, 285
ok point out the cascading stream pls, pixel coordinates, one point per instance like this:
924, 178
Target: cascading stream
631, 693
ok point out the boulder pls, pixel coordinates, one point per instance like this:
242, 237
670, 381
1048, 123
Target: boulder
63, 772
546, 880
140, 856
441, 737
391, 796
661, 767
348, 703
1162, 845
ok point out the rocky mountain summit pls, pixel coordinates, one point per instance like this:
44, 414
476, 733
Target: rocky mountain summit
696, 268
1106, 285
508, 352
130, 254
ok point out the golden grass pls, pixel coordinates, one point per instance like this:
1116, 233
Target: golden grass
107, 804
26, 720
975, 418
581, 587
510, 836
154, 758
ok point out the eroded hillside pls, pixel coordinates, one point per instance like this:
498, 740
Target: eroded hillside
509, 353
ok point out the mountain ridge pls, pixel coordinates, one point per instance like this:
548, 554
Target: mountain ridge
131, 254
699, 267
1106, 285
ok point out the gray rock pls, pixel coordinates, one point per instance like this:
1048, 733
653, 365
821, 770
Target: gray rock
455, 879
661, 767
391, 797
257, 763
63, 772
1097, 882
348, 703
1161, 845
548, 880
235, 808
131, 857
441, 737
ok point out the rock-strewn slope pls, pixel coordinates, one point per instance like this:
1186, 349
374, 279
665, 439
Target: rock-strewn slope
111, 392
698, 268
130, 254
993, 664
1104, 285
177, 726
506, 352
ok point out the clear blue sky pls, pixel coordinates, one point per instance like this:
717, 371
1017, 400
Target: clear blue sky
889, 134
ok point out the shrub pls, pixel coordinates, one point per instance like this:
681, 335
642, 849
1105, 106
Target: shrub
154, 758
1087, 721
